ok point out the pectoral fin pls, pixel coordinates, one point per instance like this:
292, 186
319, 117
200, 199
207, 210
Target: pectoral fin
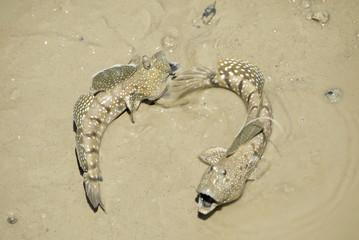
247, 133
110, 77
132, 103
213, 155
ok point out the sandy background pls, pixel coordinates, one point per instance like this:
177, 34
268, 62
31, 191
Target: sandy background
50, 50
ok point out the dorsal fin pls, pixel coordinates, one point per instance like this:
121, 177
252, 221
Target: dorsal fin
81, 107
110, 77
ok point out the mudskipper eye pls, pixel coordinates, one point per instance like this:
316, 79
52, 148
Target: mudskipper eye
146, 61
223, 172
147, 65
213, 168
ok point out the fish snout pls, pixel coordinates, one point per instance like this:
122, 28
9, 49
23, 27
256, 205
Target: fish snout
206, 202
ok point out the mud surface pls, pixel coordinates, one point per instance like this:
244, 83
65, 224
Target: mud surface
50, 50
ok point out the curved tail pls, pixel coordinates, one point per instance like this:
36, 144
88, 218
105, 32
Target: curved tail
92, 187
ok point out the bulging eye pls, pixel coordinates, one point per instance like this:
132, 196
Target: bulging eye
223, 172
213, 168
147, 65
146, 61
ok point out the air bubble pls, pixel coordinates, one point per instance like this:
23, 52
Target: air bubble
305, 4
169, 42
288, 188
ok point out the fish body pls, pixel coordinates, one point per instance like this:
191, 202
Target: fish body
117, 89
229, 169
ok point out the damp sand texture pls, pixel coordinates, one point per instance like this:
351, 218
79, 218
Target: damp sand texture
305, 49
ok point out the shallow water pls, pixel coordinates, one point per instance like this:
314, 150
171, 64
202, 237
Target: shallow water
50, 50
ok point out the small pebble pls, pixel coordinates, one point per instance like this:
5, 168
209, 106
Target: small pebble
320, 16
333, 95
209, 13
12, 219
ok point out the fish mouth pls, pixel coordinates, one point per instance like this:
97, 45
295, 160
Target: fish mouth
174, 67
206, 202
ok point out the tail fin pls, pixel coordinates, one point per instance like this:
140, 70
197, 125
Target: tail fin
92, 188
197, 77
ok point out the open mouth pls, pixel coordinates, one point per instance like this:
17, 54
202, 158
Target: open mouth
206, 203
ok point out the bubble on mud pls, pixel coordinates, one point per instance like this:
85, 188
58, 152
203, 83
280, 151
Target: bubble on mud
287, 188
333, 95
12, 219
321, 17
357, 35
92, 50
169, 42
15, 94
131, 51
305, 4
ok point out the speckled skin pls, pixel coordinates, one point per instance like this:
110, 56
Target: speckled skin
225, 178
118, 88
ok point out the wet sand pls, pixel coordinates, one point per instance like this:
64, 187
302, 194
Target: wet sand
50, 50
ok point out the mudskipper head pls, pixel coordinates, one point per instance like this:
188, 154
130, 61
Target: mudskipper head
220, 184
149, 82
224, 180
154, 73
